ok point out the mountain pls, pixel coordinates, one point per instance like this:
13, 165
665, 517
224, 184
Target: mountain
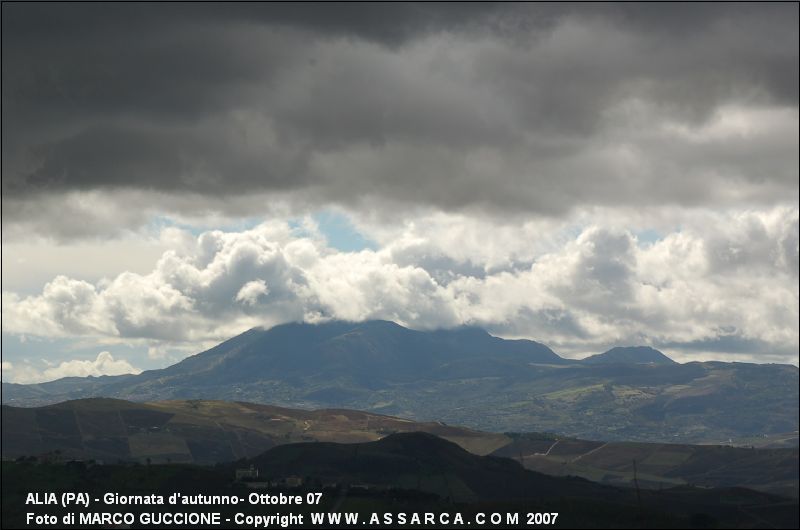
630, 355
372, 353
463, 376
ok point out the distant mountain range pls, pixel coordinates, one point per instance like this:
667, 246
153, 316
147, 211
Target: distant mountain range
465, 376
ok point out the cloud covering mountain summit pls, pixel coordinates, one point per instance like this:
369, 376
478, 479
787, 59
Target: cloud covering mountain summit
704, 283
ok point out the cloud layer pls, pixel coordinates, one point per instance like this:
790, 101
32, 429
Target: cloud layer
514, 108
725, 283
586, 175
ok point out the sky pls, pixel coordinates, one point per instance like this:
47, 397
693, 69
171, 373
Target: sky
584, 175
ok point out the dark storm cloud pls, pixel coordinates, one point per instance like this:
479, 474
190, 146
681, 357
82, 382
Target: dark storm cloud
389, 24
505, 107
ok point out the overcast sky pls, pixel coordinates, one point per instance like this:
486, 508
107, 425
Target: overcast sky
583, 175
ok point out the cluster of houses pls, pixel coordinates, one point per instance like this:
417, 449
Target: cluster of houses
250, 476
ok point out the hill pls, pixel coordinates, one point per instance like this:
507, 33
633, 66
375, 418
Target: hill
210, 432
198, 431
466, 377
408, 473
423, 462
658, 466
630, 355
418, 461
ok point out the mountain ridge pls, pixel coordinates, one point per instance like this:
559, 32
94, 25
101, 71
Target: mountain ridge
463, 376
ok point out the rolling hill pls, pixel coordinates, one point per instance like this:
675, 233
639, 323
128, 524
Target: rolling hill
418, 461
408, 473
210, 432
195, 431
466, 377
658, 466
423, 462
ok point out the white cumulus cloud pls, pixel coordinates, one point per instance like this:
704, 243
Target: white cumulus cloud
251, 292
725, 282
104, 364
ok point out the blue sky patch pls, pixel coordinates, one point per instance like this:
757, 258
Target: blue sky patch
648, 236
340, 232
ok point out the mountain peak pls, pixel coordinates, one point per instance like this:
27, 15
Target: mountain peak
630, 355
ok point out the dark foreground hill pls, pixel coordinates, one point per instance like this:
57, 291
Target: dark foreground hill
210, 432
420, 461
409, 473
467, 377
